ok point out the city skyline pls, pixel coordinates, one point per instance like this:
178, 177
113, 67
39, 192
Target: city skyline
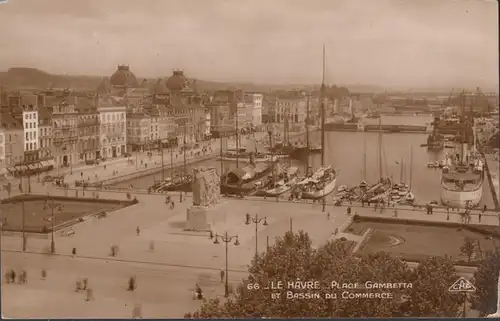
388, 43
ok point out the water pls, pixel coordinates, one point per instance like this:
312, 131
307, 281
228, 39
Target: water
345, 152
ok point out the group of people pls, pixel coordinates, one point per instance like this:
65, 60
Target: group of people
10, 277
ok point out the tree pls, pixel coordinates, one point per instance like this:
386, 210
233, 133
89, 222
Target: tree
430, 296
292, 258
467, 248
484, 299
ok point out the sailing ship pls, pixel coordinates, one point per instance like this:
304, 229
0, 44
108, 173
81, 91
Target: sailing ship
381, 190
320, 184
285, 182
324, 180
462, 180
245, 180
244, 156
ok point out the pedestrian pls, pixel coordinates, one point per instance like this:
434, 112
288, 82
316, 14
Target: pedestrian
222, 274
375, 207
137, 312
180, 197
485, 208
479, 217
138, 230
172, 205
89, 294
12, 275
44, 274
395, 213
448, 216
348, 211
7, 277
328, 215
85, 283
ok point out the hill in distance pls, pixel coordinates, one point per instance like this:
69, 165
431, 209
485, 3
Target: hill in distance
23, 78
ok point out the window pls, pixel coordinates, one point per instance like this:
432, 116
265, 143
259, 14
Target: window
27, 136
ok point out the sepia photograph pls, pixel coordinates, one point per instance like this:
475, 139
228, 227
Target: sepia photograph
208, 159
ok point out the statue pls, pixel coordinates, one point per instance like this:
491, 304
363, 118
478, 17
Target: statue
206, 187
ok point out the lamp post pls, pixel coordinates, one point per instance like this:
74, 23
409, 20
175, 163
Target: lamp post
256, 220
226, 239
53, 206
23, 225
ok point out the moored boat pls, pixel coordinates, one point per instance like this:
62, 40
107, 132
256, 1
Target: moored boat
245, 180
320, 184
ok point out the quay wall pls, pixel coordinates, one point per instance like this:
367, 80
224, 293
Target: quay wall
376, 128
177, 165
492, 186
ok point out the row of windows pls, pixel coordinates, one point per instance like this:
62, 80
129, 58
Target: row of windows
31, 136
112, 116
31, 146
33, 115
30, 125
46, 131
113, 140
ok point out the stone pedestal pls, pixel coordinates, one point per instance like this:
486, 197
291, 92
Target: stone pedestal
197, 218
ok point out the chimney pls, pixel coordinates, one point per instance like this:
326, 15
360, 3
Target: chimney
41, 100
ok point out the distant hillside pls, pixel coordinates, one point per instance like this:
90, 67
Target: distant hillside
20, 78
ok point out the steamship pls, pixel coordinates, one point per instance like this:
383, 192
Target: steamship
463, 175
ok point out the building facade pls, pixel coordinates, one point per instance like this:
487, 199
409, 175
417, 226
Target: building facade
65, 132
14, 140
45, 133
31, 142
253, 103
138, 131
88, 123
113, 128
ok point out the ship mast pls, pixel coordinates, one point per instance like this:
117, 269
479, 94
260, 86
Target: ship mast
322, 97
364, 160
379, 149
237, 132
411, 166
307, 136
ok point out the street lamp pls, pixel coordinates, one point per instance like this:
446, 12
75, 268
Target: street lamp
226, 239
53, 206
256, 220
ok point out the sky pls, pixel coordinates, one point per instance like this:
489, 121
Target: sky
402, 43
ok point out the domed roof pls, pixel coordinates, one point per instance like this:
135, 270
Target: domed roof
177, 81
124, 77
160, 87
104, 87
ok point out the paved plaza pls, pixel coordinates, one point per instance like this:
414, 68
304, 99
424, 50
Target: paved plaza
167, 274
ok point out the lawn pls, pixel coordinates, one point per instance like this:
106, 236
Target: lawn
416, 242
38, 212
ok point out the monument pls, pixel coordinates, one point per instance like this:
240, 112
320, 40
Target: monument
206, 196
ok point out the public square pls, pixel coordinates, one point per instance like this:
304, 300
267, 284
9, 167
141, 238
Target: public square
417, 242
41, 210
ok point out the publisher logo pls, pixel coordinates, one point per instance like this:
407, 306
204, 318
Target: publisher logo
462, 285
